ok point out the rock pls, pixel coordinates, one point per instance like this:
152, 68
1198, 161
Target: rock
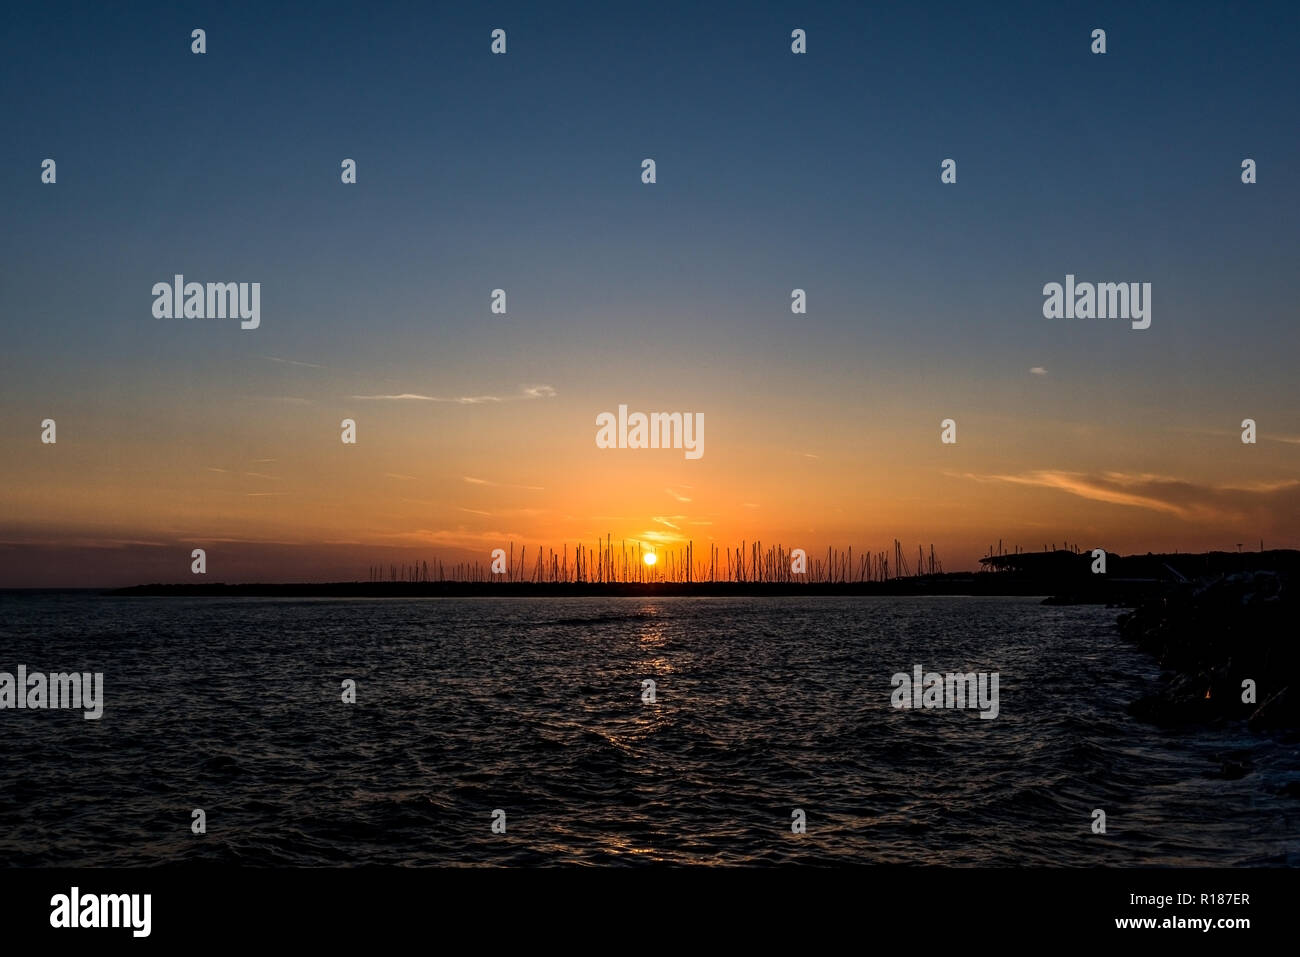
1213, 635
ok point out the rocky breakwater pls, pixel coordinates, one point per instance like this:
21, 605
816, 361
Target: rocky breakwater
1229, 644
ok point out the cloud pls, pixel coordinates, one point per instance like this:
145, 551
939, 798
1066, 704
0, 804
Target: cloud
657, 537
1263, 487
1129, 479
1038, 370
453, 538
260, 475
78, 542
1101, 489
401, 396
292, 362
1262, 436
396, 475
479, 481
677, 495
1157, 493
526, 392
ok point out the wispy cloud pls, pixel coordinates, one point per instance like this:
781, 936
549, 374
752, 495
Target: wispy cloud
454, 537
292, 362
1139, 478
1262, 487
1224, 433
261, 475
78, 542
656, 537
488, 482
677, 495
412, 396
1154, 492
1038, 370
525, 393
1099, 489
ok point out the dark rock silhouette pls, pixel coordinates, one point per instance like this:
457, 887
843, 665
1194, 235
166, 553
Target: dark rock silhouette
1217, 636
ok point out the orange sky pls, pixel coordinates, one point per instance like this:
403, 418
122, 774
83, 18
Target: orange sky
268, 488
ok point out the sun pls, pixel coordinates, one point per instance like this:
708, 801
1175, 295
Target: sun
650, 558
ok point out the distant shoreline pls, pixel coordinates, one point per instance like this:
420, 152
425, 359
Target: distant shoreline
983, 585
1063, 577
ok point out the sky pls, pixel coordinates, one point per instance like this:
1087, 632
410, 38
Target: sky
523, 172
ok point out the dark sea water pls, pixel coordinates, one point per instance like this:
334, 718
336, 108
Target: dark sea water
533, 706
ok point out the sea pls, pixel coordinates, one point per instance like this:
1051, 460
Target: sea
523, 732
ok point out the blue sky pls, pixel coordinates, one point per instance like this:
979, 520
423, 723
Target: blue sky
775, 171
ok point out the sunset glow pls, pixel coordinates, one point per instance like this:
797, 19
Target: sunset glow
478, 429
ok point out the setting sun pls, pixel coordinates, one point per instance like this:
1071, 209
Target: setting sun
650, 558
